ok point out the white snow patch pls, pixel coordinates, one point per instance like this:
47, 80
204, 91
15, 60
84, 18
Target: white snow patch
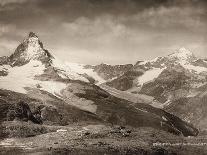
61, 130
67, 72
164, 118
197, 69
165, 104
4, 67
143, 63
192, 94
151, 61
19, 78
150, 75
7, 142
79, 68
52, 87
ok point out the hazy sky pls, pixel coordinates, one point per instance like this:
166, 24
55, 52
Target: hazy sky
110, 31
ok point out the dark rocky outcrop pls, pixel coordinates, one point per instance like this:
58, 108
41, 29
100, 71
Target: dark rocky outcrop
125, 81
108, 72
20, 111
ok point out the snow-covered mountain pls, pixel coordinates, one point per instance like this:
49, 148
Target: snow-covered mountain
31, 63
30, 49
36, 68
182, 57
179, 70
181, 60
60, 93
177, 82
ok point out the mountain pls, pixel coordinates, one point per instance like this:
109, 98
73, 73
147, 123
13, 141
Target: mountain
176, 81
31, 61
181, 61
31, 49
36, 86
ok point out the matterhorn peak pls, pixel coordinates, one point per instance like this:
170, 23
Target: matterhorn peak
32, 34
32, 40
30, 49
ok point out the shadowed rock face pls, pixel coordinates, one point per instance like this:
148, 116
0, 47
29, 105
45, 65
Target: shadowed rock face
54, 111
108, 72
170, 82
20, 111
125, 81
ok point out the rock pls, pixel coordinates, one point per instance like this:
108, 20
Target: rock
21, 111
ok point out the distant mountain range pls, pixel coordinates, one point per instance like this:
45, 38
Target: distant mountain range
177, 82
66, 92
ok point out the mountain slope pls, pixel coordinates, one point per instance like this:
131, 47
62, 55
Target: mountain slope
89, 104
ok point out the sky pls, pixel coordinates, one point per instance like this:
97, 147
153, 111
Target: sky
106, 31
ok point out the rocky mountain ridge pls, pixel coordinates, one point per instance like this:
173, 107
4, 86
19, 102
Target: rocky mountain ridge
30, 49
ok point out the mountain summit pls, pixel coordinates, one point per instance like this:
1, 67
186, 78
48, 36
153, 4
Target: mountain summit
30, 49
182, 54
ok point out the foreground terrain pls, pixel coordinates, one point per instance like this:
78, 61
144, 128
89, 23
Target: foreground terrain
100, 139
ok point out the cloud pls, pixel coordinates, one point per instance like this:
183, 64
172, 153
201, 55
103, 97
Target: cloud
7, 45
142, 26
95, 27
106, 30
6, 28
163, 17
6, 2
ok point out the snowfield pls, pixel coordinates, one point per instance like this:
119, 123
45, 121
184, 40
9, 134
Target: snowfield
66, 71
19, 78
79, 68
23, 76
149, 75
75, 71
197, 69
